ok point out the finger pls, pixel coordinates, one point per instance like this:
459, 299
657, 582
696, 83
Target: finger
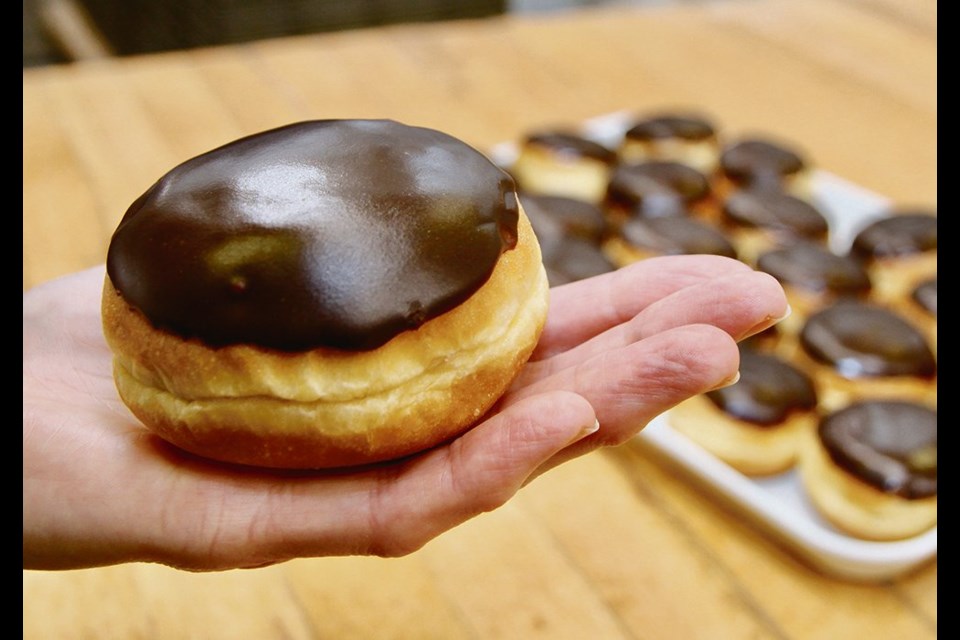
478, 472
630, 386
393, 509
581, 310
741, 304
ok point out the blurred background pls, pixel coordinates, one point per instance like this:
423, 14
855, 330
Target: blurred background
60, 31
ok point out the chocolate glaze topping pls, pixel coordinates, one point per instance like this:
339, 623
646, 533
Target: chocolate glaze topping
776, 211
759, 162
570, 232
552, 215
569, 259
890, 445
329, 233
671, 126
569, 144
656, 188
768, 392
863, 340
925, 295
815, 268
896, 235
676, 236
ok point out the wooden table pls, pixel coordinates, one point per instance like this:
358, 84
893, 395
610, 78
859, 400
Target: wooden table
615, 544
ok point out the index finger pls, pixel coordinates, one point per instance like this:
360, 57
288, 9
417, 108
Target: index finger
584, 309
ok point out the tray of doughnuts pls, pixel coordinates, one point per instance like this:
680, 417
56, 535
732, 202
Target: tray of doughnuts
828, 441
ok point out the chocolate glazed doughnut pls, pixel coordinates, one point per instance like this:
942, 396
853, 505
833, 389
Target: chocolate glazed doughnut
899, 251
813, 277
570, 232
760, 163
871, 468
561, 163
657, 189
925, 296
686, 138
327, 293
757, 424
921, 309
857, 350
642, 238
760, 220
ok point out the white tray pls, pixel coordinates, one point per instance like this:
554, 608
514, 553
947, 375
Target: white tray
778, 504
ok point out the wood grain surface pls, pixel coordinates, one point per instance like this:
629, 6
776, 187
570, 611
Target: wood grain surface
615, 544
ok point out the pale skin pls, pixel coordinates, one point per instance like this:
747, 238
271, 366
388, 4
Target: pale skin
617, 351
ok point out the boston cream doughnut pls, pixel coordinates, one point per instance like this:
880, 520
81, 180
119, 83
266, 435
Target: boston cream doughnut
556, 215
324, 294
924, 295
857, 350
871, 469
657, 189
759, 220
571, 233
563, 164
569, 259
765, 163
899, 250
812, 277
921, 309
642, 238
688, 139
757, 424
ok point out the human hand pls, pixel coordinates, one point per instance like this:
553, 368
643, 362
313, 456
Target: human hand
617, 350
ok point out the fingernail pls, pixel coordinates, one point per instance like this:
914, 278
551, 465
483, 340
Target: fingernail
769, 322
726, 382
586, 431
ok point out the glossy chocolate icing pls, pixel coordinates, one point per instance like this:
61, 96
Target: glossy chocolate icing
656, 188
329, 233
572, 145
676, 236
569, 232
815, 268
775, 211
863, 340
570, 259
925, 295
754, 161
671, 126
768, 392
890, 445
896, 235
552, 215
